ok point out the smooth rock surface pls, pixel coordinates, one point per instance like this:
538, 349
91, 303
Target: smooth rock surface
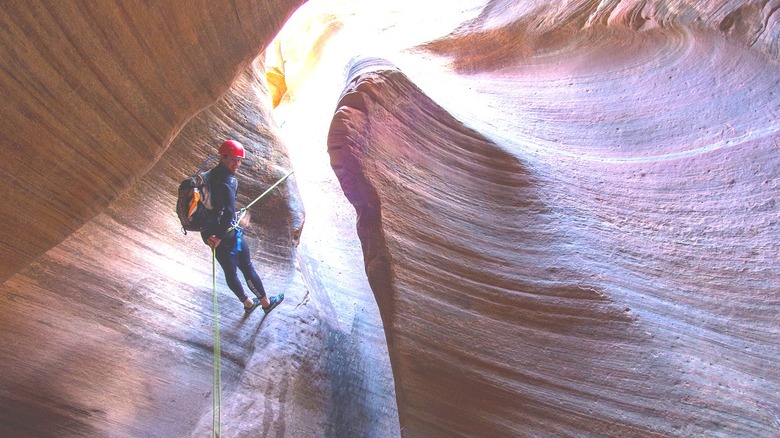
506, 218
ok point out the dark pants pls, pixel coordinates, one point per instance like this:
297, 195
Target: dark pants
232, 255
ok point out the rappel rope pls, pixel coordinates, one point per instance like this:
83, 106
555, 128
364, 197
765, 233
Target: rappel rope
243, 211
216, 393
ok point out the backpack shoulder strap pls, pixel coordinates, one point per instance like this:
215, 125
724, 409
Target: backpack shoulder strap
206, 162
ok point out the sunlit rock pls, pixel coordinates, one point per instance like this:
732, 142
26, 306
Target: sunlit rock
506, 218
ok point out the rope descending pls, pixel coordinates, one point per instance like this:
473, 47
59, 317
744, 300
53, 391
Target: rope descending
216, 394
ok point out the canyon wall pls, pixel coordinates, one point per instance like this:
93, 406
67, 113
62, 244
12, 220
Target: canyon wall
506, 218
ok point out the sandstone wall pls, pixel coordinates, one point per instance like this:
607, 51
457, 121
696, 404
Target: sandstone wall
566, 213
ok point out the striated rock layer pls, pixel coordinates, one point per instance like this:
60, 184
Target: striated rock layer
584, 242
567, 218
110, 333
93, 94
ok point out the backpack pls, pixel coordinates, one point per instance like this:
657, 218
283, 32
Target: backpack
193, 202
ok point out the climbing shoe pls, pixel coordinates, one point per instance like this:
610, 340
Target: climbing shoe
274, 301
255, 303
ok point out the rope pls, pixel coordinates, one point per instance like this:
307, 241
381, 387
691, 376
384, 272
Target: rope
243, 211
216, 398
216, 393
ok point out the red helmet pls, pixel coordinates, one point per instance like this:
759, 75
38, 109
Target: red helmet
232, 148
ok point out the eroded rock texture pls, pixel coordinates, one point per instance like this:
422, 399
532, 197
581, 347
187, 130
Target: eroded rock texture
585, 244
567, 218
110, 332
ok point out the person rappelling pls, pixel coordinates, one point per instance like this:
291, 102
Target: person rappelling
207, 204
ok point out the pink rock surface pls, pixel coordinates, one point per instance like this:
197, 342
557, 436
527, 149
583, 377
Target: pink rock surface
567, 218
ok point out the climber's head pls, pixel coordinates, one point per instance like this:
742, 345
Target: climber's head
230, 155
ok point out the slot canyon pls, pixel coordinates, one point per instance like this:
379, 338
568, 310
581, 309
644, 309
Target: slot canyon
507, 218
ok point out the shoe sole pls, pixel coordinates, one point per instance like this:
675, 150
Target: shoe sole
273, 306
249, 310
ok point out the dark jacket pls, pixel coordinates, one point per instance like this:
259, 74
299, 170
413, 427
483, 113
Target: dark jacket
222, 191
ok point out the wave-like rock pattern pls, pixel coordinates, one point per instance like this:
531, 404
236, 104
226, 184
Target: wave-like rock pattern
605, 266
94, 93
567, 214
110, 332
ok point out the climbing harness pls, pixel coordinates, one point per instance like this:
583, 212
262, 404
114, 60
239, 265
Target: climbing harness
216, 394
